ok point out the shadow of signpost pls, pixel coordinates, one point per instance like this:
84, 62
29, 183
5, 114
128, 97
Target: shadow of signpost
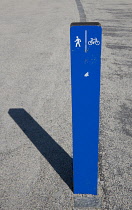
55, 154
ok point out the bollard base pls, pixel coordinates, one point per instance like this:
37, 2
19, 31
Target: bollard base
87, 202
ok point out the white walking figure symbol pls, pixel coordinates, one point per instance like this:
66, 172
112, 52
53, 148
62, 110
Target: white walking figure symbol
77, 41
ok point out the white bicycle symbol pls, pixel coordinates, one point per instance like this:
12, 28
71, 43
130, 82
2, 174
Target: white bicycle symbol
93, 41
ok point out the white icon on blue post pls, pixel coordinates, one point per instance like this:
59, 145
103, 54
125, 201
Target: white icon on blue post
86, 74
77, 42
93, 41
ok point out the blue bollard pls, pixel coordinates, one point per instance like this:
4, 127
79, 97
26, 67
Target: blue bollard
85, 47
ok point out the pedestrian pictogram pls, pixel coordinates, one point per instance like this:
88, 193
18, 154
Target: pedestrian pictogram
77, 42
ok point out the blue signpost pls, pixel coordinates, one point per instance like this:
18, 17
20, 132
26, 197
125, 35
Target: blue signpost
85, 41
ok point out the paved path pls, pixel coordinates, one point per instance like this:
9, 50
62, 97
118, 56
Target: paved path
35, 103
116, 100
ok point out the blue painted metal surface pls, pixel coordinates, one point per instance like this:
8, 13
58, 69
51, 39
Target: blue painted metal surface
85, 41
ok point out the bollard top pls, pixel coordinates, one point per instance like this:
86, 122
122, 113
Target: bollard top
85, 24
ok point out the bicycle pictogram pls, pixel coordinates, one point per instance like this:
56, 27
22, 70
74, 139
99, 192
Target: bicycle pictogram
93, 41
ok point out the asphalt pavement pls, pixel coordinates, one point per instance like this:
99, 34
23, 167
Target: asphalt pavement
35, 104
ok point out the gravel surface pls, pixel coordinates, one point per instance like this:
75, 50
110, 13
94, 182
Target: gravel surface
35, 105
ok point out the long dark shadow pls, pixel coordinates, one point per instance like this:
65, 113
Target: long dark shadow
55, 154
